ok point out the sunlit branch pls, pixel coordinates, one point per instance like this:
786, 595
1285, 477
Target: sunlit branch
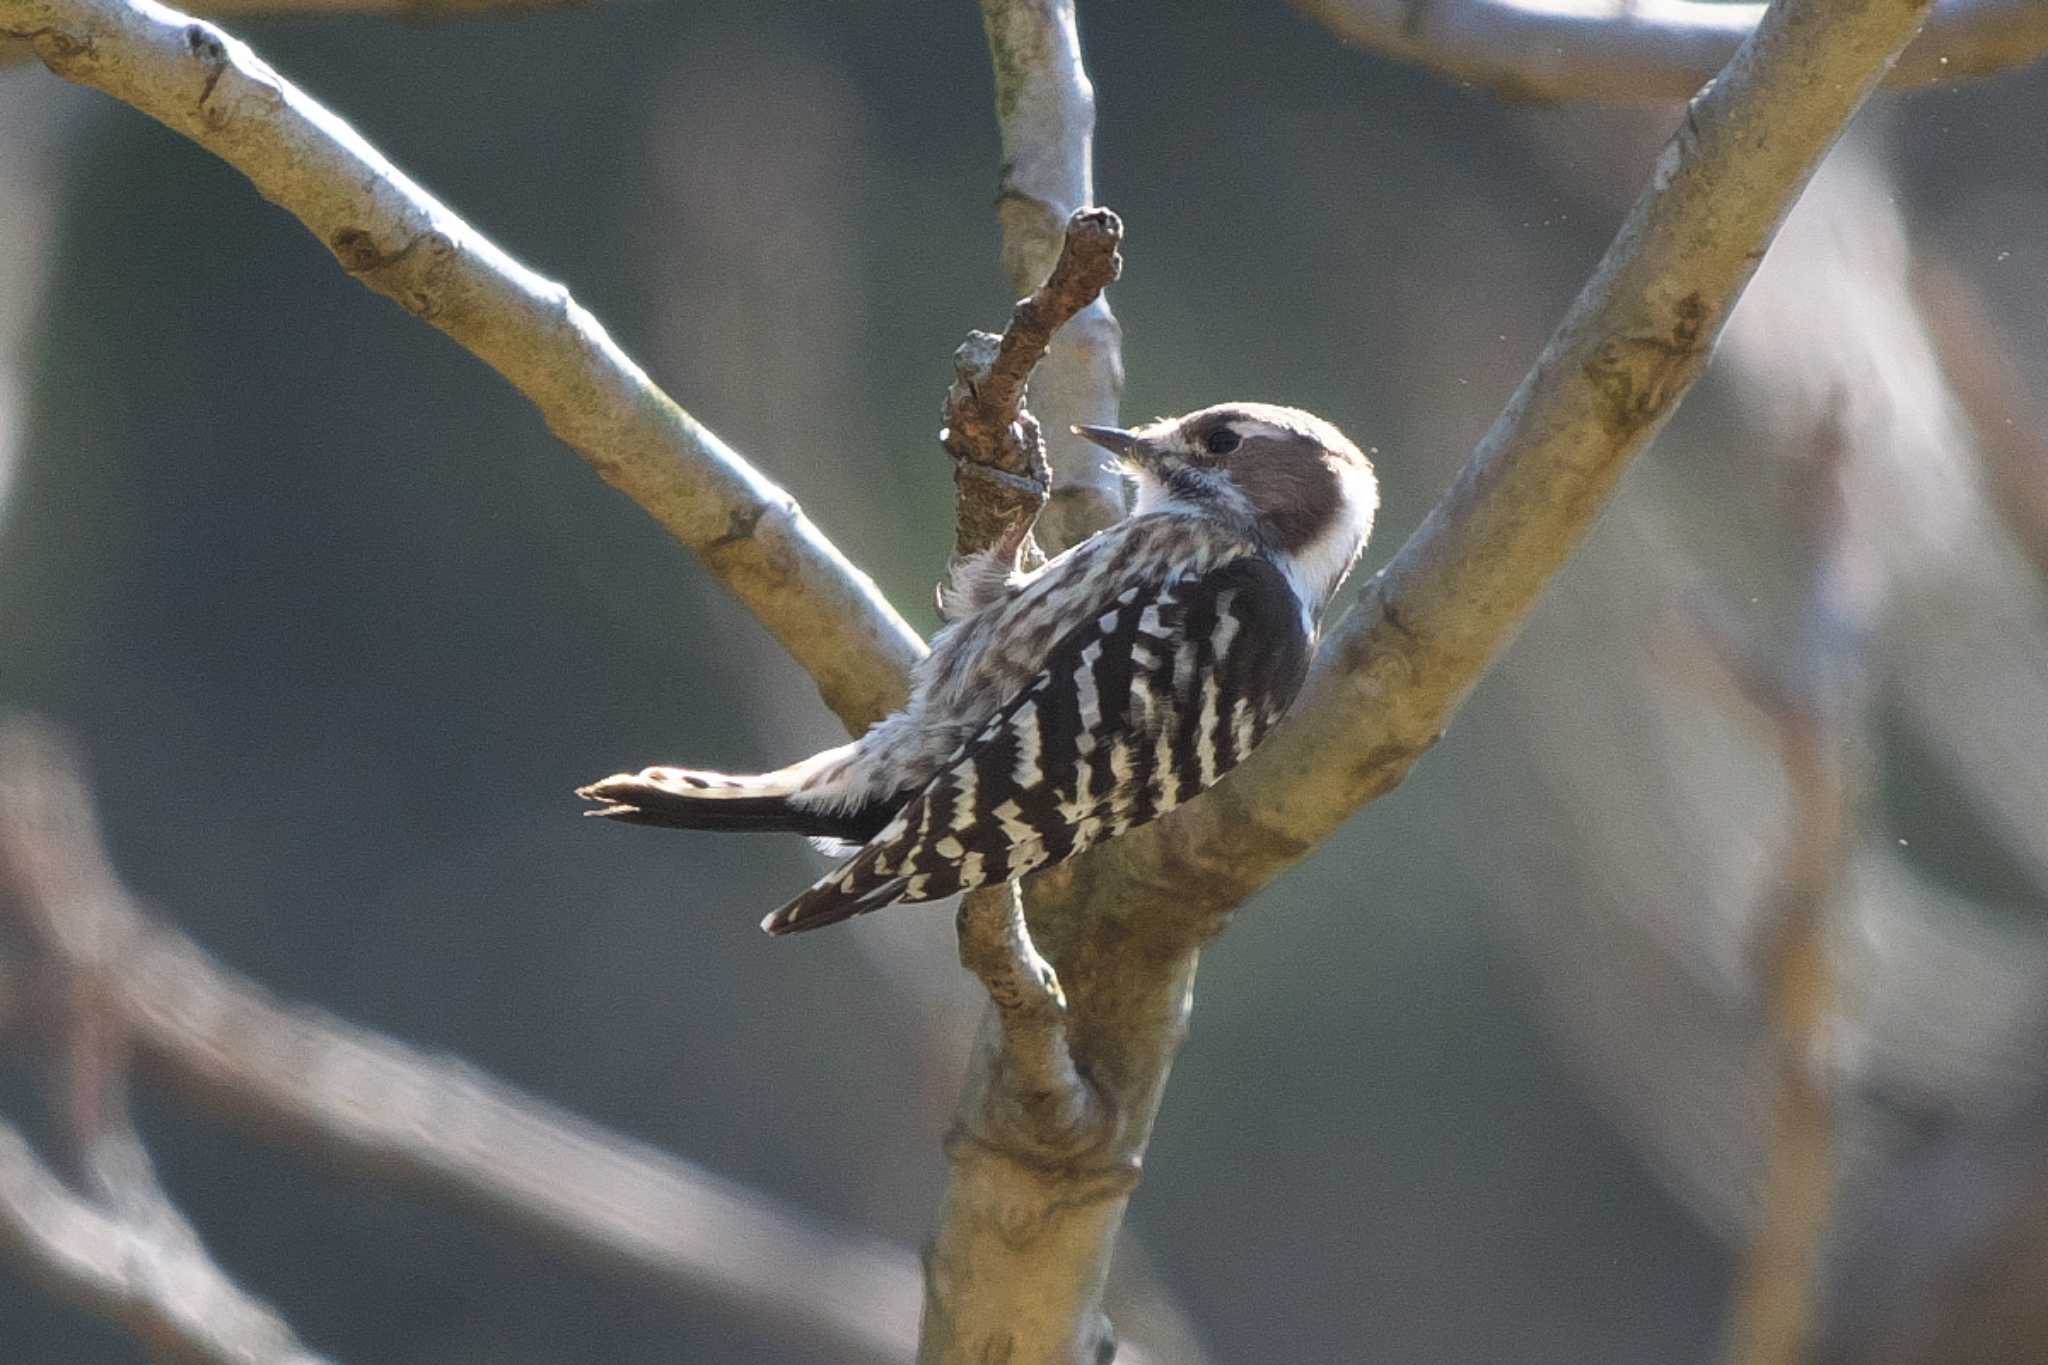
1397, 666
394, 237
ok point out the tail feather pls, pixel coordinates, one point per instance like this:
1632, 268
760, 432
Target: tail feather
853, 889
683, 798
814, 797
880, 874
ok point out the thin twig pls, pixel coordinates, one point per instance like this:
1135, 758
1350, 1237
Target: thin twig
397, 239
1814, 707
1647, 51
1976, 352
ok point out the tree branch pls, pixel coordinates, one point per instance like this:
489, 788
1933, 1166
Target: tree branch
144, 1269
1396, 667
1025, 1232
1032, 1129
398, 240
1031, 1097
1814, 706
1001, 474
1045, 108
16, 50
1646, 51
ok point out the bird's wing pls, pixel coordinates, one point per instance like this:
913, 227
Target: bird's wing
1136, 710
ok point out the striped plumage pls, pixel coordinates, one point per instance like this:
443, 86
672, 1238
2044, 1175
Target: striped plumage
1066, 706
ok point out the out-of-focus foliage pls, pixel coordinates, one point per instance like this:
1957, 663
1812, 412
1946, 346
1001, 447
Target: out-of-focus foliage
341, 626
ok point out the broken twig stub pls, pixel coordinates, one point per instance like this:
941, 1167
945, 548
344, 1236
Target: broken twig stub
1001, 478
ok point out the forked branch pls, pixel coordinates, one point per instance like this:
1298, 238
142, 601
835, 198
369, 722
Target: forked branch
1024, 1239
1002, 478
1397, 666
138, 1264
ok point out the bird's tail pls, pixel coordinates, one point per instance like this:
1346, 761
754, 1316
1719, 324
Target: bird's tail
852, 889
799, 799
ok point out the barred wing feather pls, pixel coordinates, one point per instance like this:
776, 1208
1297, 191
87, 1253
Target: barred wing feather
1136, 710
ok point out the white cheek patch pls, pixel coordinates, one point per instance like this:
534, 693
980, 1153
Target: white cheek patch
1317, 568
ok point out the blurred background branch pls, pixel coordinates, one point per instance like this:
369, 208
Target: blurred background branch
380, 1108
1646, 50
147, 1272
1776, 995
1814, 703
1978, 358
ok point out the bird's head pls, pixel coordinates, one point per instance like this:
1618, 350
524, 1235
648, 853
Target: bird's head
1298, 485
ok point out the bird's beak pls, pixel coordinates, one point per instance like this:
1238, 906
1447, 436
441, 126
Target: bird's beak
1109, 438
1113, 439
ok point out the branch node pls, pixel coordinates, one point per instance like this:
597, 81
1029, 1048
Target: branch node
1040, 1085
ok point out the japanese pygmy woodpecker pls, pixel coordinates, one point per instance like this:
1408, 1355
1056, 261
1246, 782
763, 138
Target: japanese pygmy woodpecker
1063, 706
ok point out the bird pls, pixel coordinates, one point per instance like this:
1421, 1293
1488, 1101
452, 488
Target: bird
1066, 705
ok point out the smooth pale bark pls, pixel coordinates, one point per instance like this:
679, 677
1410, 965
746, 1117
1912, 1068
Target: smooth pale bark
1028, 1224
1045, 108
397, 239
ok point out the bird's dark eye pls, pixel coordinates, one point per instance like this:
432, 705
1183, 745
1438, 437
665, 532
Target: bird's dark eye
1221, 441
